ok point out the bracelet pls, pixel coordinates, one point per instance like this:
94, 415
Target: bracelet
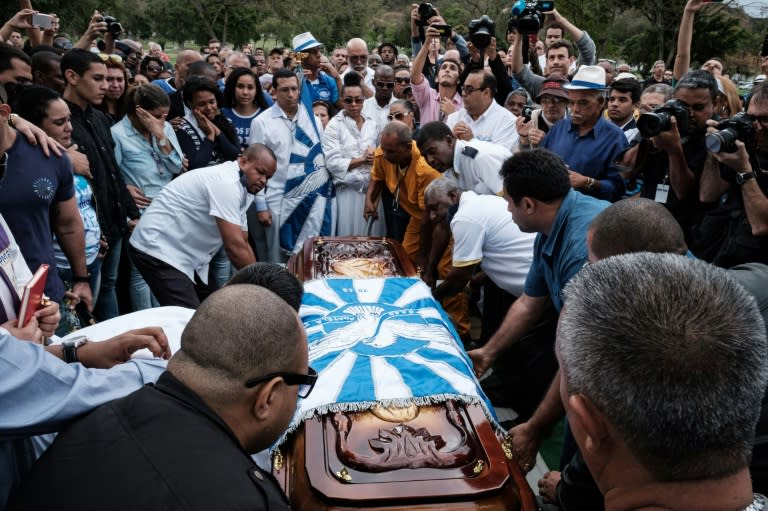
590, 183
80, 278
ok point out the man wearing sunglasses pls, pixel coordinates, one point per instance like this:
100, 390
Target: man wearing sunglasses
743, 180
377, 107
186, 440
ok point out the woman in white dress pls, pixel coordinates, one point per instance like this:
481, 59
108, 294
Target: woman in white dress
349, 141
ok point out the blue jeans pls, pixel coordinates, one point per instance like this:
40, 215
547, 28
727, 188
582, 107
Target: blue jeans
94, 270
141, 296
221, 268
106, 306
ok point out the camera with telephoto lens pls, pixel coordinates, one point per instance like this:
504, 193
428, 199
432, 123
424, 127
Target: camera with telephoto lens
527, 16
113, 26
481, 31
426, 11
527, 112
653, 123
738, 127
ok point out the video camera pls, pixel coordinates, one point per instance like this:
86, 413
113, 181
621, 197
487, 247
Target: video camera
653, 123
481, 31
738, 127
426, 11
527, 16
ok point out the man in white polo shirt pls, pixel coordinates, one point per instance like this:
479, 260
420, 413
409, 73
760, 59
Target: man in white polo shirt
474, 165
187, 223
484, 235
482, 118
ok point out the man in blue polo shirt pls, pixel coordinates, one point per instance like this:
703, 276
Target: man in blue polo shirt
537, 187
588, 142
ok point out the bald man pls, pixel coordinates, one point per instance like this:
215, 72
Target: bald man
357, 58
176, 82
186, 441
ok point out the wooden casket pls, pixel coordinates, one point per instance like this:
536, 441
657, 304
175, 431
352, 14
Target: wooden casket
393, 448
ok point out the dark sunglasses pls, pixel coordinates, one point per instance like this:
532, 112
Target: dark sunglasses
350, 100
397, 115
385, 85
306, 382
762, 119
403, 80
154, 69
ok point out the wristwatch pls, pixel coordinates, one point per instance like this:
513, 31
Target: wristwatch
162, 142
742, 177
71, 346
81, 278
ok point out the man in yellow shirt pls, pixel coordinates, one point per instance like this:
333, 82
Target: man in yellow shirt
399, 166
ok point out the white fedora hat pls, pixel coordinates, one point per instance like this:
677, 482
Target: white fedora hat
588, 78
305, 41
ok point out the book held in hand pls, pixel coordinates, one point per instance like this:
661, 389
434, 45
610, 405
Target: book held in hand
33, 298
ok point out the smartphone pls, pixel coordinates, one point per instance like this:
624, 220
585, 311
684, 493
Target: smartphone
44, 21
445, 30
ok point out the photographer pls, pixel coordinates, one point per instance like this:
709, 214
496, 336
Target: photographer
677, 184
98, 27
482, 44
737, 230
422, 16
559, 55
435, 105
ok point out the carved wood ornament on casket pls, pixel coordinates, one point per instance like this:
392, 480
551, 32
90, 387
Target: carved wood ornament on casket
443, 456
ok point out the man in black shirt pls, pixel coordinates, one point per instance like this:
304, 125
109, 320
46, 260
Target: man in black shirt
85, 73
185, 442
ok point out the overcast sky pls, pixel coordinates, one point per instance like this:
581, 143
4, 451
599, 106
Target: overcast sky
757, 8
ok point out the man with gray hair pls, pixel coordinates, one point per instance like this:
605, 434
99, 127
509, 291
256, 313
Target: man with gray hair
663, 392
589, 143
642, 225
484, 235
186, 441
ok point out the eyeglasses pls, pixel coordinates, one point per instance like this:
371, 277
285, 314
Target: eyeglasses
117, 59
403, 80
306, 382
350, 100
397, 116
468, 89
385, 85
550, 100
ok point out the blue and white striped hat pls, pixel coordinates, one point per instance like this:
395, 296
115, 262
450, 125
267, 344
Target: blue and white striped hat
588, 78
305, 41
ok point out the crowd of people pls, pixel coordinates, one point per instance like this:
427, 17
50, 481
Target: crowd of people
529, 176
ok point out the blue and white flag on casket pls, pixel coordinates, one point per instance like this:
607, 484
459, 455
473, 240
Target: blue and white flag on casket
307, 207
382, 341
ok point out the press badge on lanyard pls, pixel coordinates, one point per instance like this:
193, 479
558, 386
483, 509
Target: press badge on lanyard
662, 191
